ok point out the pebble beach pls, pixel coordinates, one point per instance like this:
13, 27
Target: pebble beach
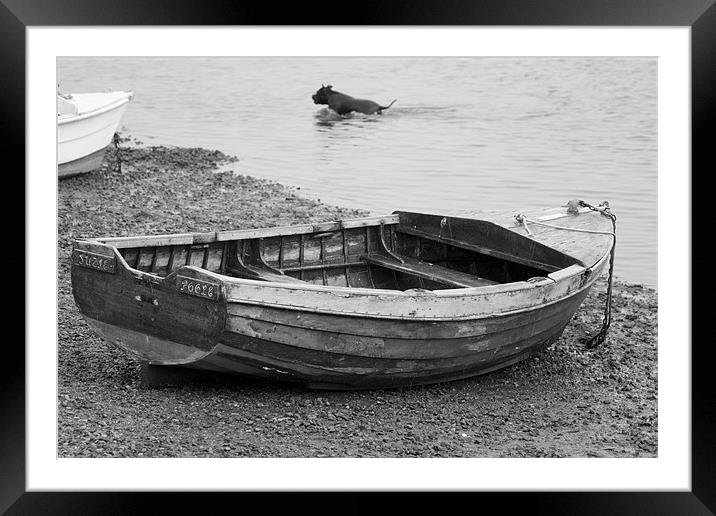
566, 401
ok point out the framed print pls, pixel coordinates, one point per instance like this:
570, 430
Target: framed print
270, 274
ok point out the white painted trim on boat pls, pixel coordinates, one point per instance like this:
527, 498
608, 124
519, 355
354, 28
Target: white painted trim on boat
67, 119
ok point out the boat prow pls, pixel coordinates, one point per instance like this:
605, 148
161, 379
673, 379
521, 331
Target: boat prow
86, 123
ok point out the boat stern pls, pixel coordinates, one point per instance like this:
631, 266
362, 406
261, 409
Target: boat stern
176, 319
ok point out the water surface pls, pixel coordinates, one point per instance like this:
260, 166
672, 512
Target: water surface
465, 133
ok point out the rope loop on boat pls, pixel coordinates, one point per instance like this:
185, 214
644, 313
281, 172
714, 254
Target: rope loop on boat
603, 208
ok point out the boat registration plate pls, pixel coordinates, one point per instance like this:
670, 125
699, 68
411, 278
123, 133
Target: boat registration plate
198, 288
94, 261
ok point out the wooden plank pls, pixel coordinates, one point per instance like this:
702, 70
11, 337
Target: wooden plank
369, 221
319, 266
153, 265
428, 270
214, 257
369, 372
337, 340
306, 364
243, 234
148, 241
145, 259
252, 272
482, 249
392, 329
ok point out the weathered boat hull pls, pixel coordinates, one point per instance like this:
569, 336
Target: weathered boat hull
355, 361
321, 335
83, 138
339, 360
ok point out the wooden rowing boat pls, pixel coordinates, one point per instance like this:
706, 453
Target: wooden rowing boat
86, 123
403, 299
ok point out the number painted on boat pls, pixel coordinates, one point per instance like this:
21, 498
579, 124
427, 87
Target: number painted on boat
198, 288
94, 261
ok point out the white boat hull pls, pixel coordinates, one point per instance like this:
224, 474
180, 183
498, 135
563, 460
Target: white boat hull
83, 137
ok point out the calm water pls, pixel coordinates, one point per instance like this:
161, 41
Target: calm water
465, 133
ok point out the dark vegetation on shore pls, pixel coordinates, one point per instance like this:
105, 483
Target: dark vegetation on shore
567, 401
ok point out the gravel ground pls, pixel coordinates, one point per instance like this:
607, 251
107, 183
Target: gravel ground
567, 401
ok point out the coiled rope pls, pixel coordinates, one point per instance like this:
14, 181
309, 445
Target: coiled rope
603, 208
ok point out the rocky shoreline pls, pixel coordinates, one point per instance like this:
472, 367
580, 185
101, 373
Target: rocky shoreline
567, 401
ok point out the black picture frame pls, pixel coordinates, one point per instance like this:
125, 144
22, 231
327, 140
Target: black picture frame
699, 15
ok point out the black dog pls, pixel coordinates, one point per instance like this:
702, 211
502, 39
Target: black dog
344, 104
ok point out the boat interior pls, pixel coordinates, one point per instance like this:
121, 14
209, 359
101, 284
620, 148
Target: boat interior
400, 252
65, 107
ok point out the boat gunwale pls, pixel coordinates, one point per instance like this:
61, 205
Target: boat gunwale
417, 318
564, 275
119, 102
209, 237
197, 238
553, 277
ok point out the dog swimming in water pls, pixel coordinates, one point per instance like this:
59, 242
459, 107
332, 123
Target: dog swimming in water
344, 104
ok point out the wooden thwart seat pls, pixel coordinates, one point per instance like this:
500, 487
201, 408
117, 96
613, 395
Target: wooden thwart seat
508, 256
257, 273
427, 270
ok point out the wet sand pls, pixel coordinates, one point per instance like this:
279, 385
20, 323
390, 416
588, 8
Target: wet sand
567, 401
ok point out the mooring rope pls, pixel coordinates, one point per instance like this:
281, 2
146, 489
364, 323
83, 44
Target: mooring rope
603, 208
523, 220
115, 141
